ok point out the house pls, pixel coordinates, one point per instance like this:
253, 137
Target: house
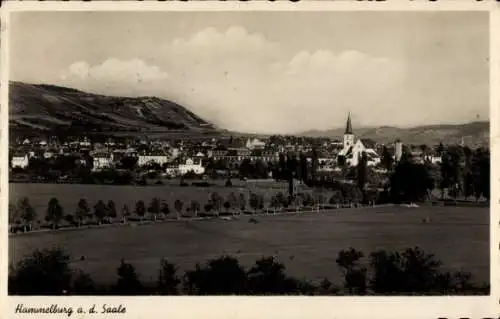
434, 159
398, 151
129, 151
255, 144
190, 165
353, 148
20, 160
85, 143
102, 160
236, 154
219, 152
265, 155
194, 165
109, 142
158, 157
172, 170
65, 151
50, 153
325, 162
80, 159
417, 156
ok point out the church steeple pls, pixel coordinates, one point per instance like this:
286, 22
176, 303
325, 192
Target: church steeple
348, 127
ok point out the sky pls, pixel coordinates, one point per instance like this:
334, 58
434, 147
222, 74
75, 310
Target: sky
269, 72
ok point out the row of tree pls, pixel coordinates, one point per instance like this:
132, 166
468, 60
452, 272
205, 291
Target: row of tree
407, 272
24, 215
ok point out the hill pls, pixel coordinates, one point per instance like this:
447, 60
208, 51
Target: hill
50, 108
473, 134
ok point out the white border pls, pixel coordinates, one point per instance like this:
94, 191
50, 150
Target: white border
275, 307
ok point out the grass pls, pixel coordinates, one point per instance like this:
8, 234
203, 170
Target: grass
69, 194
307, 244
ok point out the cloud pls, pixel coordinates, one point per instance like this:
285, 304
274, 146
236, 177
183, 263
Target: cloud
113, 74
237, 40
243, 81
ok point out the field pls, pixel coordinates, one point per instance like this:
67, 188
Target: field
307, 244
69, 194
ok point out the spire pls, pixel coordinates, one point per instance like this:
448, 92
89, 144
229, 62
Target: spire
348, 127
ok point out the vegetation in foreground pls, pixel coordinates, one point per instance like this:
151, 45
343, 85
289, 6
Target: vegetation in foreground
407, 272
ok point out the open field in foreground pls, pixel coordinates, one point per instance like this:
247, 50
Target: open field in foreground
307, 244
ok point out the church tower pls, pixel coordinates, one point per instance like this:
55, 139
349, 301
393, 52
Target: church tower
348, 135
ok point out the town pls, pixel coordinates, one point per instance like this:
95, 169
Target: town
69, 160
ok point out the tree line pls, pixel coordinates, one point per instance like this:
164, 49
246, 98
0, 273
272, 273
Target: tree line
462, 172
407, 272
23, 216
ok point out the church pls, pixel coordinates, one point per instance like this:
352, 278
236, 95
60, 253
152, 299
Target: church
353, 148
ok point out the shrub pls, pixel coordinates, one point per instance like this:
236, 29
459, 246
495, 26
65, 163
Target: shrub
83, 284
222, 276
128, 283
45, 272
354, 274
168, 281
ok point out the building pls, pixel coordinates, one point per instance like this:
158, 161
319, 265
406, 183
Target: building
354, 148
255, 144
157, 157
434, 159
20, 160
50, 153
85, 143
219, 152
194, 165
102, 160
398, 151
190, 165
265, 155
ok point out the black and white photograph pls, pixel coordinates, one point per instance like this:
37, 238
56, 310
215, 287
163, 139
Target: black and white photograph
248, 153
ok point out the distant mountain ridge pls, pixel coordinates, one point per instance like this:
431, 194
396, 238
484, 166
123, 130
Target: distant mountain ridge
41, 107
473, 134
47, 108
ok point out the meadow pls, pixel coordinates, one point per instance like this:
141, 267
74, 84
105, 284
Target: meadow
307, 244
69, 194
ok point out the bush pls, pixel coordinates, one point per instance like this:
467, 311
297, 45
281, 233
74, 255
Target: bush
128, 283
83, 284
45, 272
168, 281
267, 277
407, 272
222, 276
412, 271
354, 275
